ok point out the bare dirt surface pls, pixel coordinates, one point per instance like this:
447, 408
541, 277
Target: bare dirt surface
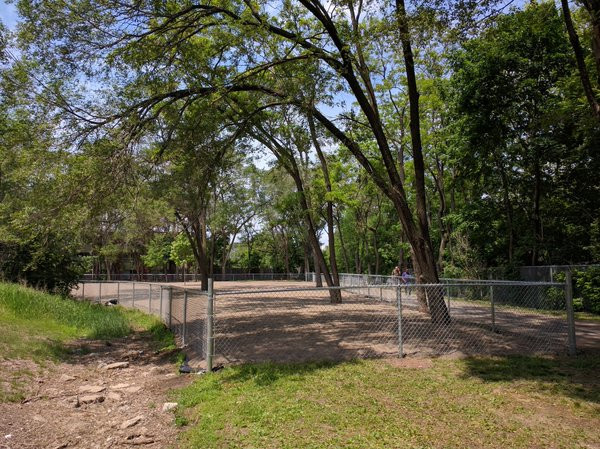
290, 321
111, 397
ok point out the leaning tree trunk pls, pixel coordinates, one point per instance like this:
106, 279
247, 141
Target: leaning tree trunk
289, 163
330, 224
579, 58
419, 237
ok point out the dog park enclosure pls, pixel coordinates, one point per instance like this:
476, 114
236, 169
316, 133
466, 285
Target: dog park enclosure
290, 321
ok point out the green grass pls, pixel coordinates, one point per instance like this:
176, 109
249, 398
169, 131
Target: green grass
481, 402
39, 326
36, 325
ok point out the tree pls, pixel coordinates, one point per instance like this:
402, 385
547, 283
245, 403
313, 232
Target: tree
301, 35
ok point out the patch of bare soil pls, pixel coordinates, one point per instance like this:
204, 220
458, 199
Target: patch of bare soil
410, 363
112, 397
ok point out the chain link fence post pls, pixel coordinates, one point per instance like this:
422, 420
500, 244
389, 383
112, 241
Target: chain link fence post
184, 329
570, 313
160, 304
209, 327
170, 290
493, 306
399, 305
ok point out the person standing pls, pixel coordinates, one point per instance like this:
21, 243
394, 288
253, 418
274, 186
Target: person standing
406, 280
396, 273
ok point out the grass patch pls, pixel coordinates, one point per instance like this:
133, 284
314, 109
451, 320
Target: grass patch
479, 402
36, 325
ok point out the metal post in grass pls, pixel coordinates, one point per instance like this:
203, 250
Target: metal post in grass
170, 290
160, 304
184, 330
133, 295
100, 292
399, 305
83, 290
570, 313
493, 306
150, 301
209, 327
118, 292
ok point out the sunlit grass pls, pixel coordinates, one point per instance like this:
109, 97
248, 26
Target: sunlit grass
38, 326
481, 402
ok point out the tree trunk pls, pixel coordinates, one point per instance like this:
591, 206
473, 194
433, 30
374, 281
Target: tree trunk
583, 72
420, 239
330, 224
342, 244
509, 213
289, 163
317, 265
107, 265
306, 257
593, 8
195, 232
537, 219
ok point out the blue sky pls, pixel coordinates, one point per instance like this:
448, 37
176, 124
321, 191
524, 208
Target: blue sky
8, 14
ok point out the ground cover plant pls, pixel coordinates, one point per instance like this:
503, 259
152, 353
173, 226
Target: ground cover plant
478, 402
40, 327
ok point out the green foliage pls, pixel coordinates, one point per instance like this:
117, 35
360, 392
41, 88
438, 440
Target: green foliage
45, 262
181, 251
587, 283
158, 251
519, 130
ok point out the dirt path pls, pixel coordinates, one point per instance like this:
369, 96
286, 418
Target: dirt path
111, 397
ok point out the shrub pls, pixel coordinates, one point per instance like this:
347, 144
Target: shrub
587, 284
44, 262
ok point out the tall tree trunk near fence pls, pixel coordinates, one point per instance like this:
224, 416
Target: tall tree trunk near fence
419, 292
195, 232
342, 244
289, 163
318, 272
593, 8
306, 257
419, 235
330, 223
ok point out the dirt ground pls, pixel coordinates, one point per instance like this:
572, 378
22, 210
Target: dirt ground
254, 325
87, 403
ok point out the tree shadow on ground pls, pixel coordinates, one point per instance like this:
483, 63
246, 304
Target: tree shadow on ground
575, 377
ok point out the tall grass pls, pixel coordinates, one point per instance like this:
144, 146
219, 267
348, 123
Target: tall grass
87, 320
37, 325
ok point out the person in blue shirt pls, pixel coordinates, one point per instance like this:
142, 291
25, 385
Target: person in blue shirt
406, 279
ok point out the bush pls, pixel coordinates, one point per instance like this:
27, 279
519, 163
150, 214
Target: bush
587, 286
586, 289
45, 262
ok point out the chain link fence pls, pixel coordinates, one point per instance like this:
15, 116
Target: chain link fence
195, 277
365, 317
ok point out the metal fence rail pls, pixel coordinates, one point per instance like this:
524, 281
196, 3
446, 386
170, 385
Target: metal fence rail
238, 325
195, 277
